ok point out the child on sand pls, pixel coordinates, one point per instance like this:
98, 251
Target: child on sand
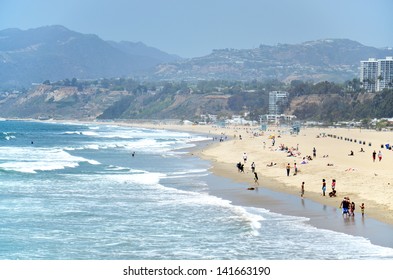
302, 190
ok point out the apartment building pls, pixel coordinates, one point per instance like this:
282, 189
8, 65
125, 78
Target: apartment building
385, 73
369, 74
276, 101
376, 74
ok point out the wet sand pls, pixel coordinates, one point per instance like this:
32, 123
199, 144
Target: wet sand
282, 196
320, 215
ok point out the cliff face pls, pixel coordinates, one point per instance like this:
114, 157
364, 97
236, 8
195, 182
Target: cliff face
46, 101
95, 102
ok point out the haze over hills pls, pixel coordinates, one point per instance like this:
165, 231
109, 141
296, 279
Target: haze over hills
55, 53
331, 59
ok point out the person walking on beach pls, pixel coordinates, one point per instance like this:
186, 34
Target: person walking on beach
256, 178
288, 169
240, 167
374, 155
323, 187
302, 190
380, 155
295, 169
245, 157
314, 152
253, 167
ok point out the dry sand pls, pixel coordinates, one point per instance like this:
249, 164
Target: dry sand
357, 176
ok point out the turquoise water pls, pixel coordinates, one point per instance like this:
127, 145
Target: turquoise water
74, 191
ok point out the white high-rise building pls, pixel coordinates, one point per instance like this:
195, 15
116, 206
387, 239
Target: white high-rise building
385, 73
369, 74
376, 75
276, 100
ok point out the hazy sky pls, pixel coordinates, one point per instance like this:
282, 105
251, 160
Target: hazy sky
192, 28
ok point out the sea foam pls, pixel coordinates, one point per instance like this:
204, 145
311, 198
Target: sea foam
31, 160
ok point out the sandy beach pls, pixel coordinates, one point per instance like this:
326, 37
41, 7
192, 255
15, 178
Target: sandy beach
357, 176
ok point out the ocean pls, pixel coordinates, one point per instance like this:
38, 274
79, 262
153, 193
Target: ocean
108, 192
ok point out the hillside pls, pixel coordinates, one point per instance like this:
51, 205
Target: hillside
55, 53
67, 102
46, 101
128, 99
333, 60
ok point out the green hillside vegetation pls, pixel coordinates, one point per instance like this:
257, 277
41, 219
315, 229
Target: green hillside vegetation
109, 99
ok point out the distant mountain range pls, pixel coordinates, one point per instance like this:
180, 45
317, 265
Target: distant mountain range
54, 53
331, 59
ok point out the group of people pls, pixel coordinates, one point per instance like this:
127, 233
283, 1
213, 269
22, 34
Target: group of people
333, 192
348, 207
288, 169
379, 155
240, 168
374, 154
291, 152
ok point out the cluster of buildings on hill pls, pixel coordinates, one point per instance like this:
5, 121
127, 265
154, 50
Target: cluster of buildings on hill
376, 74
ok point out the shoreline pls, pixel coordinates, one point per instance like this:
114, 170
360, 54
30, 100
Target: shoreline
272, 195
317, 215
223, 157
279, 196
